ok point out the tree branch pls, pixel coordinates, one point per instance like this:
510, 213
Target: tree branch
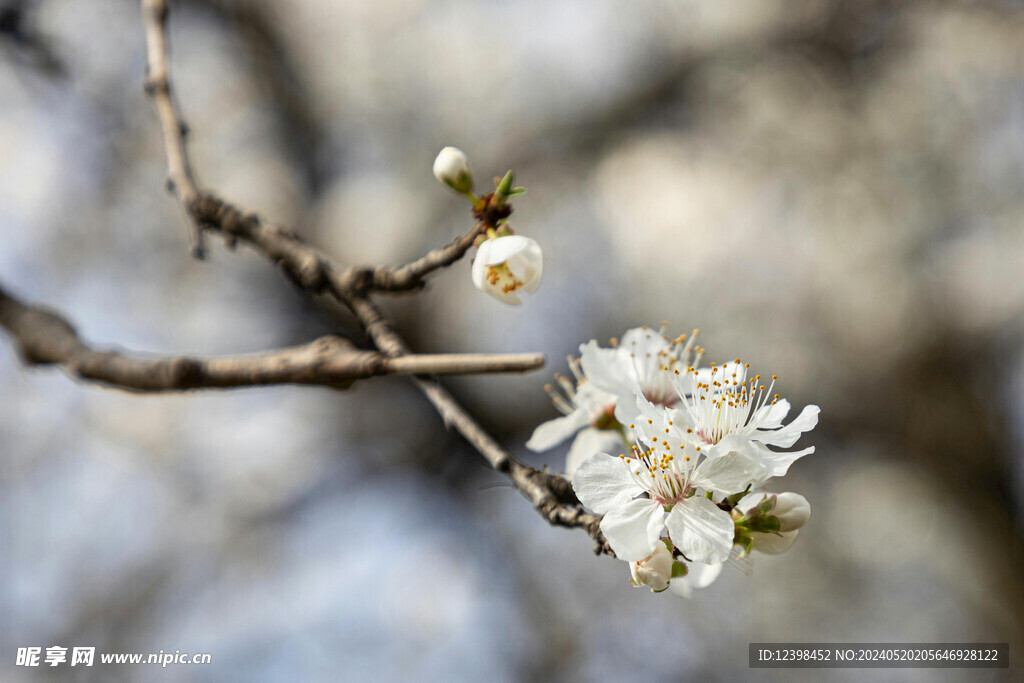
310, 269
158, 87
45, 338
552, 496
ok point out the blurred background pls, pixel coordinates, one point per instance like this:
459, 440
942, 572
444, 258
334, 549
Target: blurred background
831, 189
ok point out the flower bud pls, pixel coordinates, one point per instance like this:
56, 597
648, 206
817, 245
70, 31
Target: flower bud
759, 513
654, 571
451, 167
505, 265
774, 544
793, 511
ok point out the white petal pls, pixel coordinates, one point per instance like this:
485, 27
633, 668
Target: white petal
643, 340
750, 501
604, 482
774, 544
647, 410
738, 443
479, 269
705, 574
777, 463
701, 530
608, 369
503, 248
509, 298
589, 442
595, 399
728, 474
771, 416
655, 424
700, 575
634, 529
528, 265
553, 432
788, 435
625, 402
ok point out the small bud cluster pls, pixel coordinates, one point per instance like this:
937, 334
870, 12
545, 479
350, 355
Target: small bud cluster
505, 263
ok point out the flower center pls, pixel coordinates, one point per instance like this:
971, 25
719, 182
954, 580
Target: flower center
606, 418
665, 478
501, 277
725, 401
659, 396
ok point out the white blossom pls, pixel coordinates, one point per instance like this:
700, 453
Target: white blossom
636, 365
641, 494
451, 167
505, 265
721, 410
603, 397
588, 412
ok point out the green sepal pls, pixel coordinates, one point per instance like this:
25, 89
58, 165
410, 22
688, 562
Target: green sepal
661, 591
516, 190
668, 543
463, 184
679, 569
761, 525
737, 497
765, 506
745, 541
504, 185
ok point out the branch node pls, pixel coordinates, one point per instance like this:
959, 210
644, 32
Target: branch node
156, 85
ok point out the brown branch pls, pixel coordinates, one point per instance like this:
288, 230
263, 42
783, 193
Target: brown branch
45, 338
206, 211
487, 212
313, 270
310, 269
158, 87
411, 276
551, 495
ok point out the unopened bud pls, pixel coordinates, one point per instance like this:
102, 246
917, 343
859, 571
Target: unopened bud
793, 511
451, 167
770, 522
655, 570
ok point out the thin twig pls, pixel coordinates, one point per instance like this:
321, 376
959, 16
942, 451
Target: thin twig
316, 273
45, 338
411, 276
552, 496
158, 87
